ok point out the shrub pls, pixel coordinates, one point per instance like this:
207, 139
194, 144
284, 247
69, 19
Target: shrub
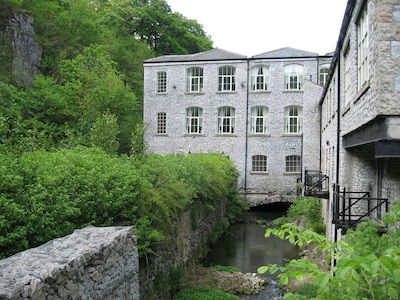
201, 293
229, 269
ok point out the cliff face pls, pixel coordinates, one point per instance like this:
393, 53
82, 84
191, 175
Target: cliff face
25, 52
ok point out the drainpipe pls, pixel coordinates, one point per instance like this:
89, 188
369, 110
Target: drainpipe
338, 122
247, 129
337, 135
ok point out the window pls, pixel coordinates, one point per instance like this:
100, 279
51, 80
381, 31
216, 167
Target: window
259, 78
161, 123
293, 119
194, 120
226, 119
293, 164
323, 74
161, 82
226, 79
293, 77
362, 48
259, 163
347, 94
194, 80
259, 119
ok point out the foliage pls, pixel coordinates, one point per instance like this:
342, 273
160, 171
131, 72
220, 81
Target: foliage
45, 195
310, 209
308, 290
104, 133
360, 272
229, 269
92, 62
201, 293
170, 283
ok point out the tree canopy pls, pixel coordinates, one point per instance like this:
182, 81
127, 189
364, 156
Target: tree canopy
92, 64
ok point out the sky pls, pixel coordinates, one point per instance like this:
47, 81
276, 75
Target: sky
252, 27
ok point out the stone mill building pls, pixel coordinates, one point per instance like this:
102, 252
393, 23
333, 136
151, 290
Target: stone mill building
291, 120
255, 110
360, 108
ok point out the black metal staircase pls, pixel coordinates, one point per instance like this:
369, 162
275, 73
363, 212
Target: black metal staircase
316, 184
350, 208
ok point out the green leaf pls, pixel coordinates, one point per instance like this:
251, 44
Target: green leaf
396, 275
392, 292
321, 279
262, 270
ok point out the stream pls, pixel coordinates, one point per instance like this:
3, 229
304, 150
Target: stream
245, 247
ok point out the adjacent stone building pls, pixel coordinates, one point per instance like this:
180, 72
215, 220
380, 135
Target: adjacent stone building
261, 111
360, 108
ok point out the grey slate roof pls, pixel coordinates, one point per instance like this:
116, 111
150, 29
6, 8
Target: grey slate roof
214, 54
285, 53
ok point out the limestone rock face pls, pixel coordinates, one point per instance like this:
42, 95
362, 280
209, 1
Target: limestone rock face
26, 53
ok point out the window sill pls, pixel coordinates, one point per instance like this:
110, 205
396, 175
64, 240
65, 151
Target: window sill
292, 173
226, 135
195, 93
260, 91
194, 134
293, 91
361, 92
162, 93
291, 135
258, 173
161, 134
226, 92
346, 109
259, 135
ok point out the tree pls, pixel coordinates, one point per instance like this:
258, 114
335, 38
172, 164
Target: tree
104, 133
167, 32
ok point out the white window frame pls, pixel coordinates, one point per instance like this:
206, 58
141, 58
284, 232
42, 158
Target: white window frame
293, 119
347, 77
293, 164
161, 123
194, 80
293, 77
259, 120
323, 74
259, 164
260, 78
362, 48
161, 82
194, 120
226, 120
226, 79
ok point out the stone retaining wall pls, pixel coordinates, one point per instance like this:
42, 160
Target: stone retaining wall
91, 263
178, 249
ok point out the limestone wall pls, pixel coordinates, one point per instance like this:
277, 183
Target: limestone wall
91, 263
178, 249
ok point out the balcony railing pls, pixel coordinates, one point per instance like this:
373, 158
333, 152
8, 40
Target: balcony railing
316, 184
350, 208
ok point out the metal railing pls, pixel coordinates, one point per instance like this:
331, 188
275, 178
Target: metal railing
351, 208
316, 184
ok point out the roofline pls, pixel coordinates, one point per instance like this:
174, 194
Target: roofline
238, 59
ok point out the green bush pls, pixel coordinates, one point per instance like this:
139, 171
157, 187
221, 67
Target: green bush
229, 269
45, 195
310, 209
308, 290
201, 293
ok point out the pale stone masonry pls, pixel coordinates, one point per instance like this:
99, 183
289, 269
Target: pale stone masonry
91, 263
274, 177
361, 106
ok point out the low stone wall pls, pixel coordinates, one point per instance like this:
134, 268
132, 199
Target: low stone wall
91, 263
